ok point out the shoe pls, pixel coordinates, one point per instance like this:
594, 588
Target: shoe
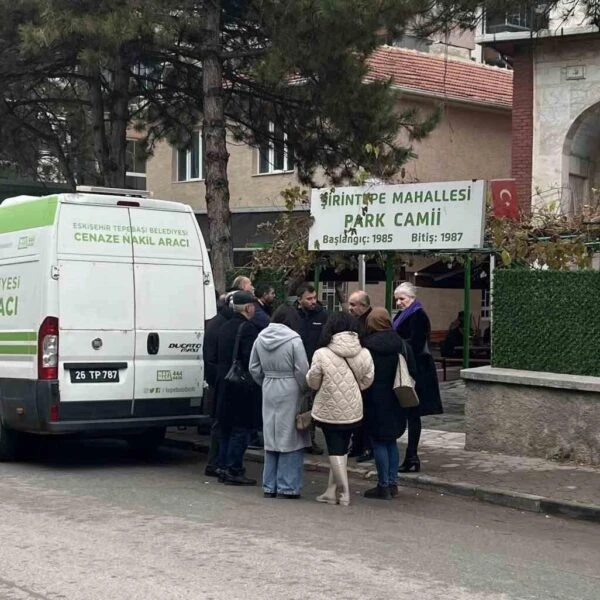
229, 479
211, 471
410, 464
394, 490
330, 494
269, 495
340, 475
382, 492
366, 456
289, 496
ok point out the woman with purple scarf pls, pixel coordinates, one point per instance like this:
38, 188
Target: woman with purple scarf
413, 326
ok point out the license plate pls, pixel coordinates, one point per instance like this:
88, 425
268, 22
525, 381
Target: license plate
94, 375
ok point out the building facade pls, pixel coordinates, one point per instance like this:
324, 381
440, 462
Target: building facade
471, 141
556, 103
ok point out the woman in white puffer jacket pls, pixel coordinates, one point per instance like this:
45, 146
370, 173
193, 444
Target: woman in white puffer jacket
339, 371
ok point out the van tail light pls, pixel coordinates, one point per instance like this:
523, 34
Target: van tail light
48, 349
132, 203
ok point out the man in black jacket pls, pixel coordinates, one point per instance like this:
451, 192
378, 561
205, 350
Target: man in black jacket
359, 304
238, 406
209, 354
265, 296
313, 317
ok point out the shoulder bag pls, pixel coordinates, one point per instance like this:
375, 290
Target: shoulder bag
237, 375
404, 385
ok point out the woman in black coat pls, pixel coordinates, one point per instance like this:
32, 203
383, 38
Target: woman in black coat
384, 419
413, 326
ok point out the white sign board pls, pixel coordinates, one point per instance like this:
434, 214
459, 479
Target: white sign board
424, 216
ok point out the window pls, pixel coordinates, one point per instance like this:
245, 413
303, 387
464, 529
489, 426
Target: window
485, 304
135, 166
329, 297
190, 165
275, 156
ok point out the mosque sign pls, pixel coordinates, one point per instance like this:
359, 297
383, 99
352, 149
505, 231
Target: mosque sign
424, 216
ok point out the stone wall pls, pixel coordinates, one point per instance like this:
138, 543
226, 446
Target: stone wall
526, 413
566, 84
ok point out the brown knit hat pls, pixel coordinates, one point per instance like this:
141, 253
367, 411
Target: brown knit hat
379, 319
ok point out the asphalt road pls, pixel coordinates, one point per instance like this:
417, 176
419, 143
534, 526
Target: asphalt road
88, 521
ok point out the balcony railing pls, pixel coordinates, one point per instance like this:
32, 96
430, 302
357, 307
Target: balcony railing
529, 18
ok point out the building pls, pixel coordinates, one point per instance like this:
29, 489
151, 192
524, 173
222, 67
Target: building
472, 141
556, 102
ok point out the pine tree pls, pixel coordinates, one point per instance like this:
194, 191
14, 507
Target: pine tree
78, 74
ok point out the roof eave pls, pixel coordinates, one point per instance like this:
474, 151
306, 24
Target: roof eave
452, 99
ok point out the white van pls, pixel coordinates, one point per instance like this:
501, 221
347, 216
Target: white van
103, 300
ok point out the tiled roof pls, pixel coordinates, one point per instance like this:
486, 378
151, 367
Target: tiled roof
452, 78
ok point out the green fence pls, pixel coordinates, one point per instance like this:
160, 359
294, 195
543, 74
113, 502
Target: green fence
547, 321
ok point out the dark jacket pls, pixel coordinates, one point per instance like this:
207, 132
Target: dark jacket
311, 326
234, 409
363, 322
385, 420
415, 331
209, 350
261, 317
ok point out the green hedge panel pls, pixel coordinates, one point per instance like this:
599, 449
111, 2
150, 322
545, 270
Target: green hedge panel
547, 321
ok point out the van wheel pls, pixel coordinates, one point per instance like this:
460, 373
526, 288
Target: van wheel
9, 444
148, 441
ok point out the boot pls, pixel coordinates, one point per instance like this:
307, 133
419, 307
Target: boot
380, 491
330, 494
411, 463
339, 465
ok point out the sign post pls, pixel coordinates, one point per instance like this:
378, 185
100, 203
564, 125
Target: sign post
467, 313
389, 282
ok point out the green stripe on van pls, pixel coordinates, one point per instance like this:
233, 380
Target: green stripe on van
18, 350
18, 336
28, 215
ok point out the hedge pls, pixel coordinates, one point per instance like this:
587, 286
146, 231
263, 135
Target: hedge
547, 321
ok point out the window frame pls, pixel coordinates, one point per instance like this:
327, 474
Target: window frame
188, 158
270, 146
328, 295
137, 174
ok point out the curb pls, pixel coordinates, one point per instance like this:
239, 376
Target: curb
498, 496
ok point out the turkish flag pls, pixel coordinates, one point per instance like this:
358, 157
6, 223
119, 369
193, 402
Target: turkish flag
504, 199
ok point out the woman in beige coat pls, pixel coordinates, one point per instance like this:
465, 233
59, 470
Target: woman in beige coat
340, 370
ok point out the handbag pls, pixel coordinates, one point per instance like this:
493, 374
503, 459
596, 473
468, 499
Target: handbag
237, 375
404, 385
304, 417
303, 420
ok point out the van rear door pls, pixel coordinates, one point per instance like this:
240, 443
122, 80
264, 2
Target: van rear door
96, 312
169, 314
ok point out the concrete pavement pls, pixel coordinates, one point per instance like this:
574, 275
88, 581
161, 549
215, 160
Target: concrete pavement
87, 521
532, 484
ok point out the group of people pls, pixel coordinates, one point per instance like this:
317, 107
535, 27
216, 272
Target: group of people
338, 367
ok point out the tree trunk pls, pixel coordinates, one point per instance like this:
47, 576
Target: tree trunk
119, 118
101, 150
215, 149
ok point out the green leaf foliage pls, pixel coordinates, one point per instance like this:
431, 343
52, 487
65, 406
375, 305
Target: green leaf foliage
547, 321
